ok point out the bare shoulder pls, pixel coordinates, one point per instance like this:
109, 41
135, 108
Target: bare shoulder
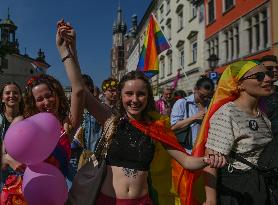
17, 119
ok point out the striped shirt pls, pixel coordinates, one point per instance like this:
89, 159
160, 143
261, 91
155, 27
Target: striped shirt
234, 130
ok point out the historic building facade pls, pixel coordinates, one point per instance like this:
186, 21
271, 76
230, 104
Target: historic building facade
15, 66
239, 29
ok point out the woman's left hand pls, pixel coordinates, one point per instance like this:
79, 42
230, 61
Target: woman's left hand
215, 160
65, 38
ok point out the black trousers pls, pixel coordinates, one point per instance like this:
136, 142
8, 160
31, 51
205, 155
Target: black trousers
242, 188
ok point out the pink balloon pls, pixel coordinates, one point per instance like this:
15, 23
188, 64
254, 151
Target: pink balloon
33, 139
44, 184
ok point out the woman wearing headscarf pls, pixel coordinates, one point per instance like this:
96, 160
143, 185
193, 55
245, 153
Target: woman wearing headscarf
235, 126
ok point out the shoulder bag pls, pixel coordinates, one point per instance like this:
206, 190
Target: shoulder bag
88, 180
184, 135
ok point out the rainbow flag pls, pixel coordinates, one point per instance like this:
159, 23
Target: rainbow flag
154, 43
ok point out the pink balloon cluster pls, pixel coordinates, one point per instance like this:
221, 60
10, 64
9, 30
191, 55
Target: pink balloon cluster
44, 184
31, 141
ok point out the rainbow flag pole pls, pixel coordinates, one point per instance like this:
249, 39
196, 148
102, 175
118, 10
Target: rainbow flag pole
155, 43
175, 54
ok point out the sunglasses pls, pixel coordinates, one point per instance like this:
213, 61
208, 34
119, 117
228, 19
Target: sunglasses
259, 76
271, 67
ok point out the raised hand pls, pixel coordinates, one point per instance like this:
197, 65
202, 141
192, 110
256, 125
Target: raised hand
65, 39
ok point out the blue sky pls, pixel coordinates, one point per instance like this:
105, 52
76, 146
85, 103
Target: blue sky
92, 19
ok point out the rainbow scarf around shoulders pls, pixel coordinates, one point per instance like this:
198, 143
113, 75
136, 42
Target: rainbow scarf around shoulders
163, 190
226, 91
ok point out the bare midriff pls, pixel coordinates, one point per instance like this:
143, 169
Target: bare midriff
118, 184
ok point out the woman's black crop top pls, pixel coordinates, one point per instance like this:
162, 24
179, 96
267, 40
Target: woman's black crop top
130, 148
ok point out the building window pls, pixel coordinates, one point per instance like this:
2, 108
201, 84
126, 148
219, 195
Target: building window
216, 45
170, 64
249, 30
228, 4
179, 12
211, 14
237, 41
258, 34
257, 31
226, 42
161, 9
231, 39
193, 48
162, 67
193, 11
169, 28
168, 7
265, 28
181, 56
231, 43
213, 46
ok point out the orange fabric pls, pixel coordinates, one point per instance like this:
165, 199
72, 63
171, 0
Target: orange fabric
12, 191
159, 129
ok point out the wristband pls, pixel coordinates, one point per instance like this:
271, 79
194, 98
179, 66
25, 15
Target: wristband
66, 57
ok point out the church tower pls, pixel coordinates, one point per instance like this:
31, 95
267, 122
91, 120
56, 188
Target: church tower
117, 51
8, 41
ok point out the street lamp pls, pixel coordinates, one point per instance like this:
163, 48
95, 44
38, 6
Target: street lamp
213, 61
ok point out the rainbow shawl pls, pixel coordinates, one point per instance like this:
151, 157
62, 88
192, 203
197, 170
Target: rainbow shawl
227, 90
154, 43
161, 189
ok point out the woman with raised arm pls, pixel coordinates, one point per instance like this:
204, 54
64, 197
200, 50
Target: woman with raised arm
137, 128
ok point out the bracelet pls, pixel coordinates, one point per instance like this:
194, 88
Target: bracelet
66, 57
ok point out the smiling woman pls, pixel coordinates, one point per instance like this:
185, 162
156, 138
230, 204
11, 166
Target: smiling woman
238, 129
44, 93
137, 131
11, 106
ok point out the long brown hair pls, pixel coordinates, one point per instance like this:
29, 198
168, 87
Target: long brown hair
54, 86
135, 75
2, 104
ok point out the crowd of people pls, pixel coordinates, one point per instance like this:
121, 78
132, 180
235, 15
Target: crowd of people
238, 118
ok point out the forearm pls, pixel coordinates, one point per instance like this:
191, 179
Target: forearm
188, 162
210, 184
73, 71
193, 163
210, 175
77, 94
183, 123
96, 108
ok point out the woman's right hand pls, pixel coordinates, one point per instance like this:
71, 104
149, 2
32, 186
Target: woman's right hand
65, 39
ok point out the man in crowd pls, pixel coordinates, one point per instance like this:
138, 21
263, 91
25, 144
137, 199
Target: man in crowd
191, 110
163, 105
109, 90
270, 103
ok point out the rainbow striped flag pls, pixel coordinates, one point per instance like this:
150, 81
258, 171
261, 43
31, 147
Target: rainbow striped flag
154, 43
